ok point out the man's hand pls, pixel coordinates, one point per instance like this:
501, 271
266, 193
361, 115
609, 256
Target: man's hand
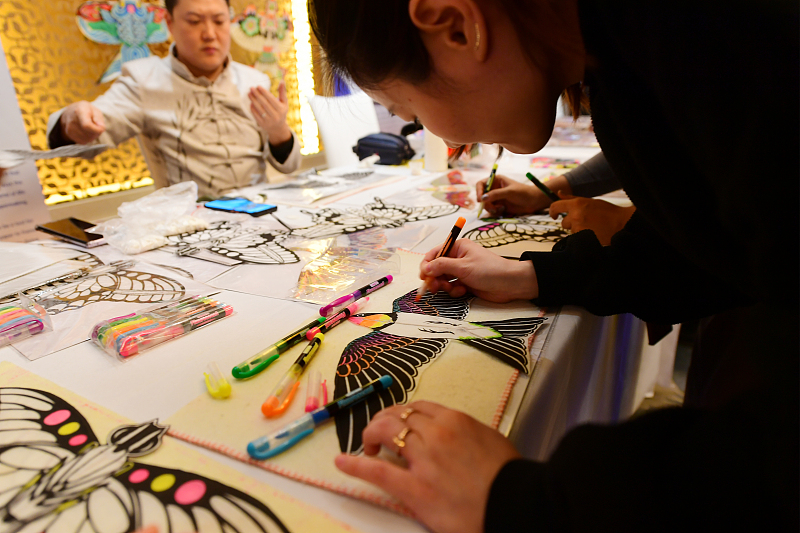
270, 113
82, 123
604, 218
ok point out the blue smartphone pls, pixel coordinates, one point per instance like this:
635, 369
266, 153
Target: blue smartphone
241, 205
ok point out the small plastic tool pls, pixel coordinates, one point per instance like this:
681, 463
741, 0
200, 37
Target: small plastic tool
218, 387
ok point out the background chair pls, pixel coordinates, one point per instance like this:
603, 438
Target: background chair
342, 121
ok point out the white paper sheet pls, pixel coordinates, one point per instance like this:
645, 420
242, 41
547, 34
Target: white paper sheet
17, 259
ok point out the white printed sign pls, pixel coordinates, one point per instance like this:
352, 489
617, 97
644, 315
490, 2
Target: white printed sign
21, 201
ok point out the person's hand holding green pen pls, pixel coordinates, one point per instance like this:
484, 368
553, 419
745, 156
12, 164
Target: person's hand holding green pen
510, 198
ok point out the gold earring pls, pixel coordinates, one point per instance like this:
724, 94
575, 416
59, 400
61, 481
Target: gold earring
477, 37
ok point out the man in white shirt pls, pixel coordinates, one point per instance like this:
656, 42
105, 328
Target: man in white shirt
199, 115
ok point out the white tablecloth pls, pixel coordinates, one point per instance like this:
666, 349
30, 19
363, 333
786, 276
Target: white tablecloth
589, 371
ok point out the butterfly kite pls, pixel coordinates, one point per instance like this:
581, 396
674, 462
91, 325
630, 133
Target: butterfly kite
129, 23
265, 33
409, 338
115, 285
231, 243
57, 477
539, 228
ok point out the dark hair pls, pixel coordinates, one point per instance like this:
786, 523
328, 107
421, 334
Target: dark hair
370, 41
170, 4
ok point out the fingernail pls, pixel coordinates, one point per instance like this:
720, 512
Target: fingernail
484, 197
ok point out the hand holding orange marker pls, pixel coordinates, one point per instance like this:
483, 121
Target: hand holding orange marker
445, 251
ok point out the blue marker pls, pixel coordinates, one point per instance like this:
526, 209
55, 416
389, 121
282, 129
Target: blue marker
280, 441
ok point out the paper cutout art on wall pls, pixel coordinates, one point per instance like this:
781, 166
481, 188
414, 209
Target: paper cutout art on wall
539, 228
128, 23
403, 350
58, 477
266, 33
231, 243
122, 285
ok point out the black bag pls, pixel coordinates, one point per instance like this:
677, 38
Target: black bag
392, 149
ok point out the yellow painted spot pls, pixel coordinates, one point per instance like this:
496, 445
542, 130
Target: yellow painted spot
69, 429
64, 506
162, 483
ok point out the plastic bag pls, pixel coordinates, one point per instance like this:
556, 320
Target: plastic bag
128, 335
145, 223
22, 319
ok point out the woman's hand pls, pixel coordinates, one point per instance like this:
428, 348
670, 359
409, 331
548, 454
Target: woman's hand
510, 198
603, 218
479, 271
452, 461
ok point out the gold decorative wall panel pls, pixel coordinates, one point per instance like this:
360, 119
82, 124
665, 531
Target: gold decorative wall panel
52, 64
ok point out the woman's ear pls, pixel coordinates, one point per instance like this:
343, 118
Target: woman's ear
456, 24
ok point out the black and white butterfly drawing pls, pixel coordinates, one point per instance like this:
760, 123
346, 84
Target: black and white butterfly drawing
112, 285
232, 243
539, 228
403, 356
56, 477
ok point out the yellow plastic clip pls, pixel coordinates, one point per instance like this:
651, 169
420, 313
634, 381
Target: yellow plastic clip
218, 387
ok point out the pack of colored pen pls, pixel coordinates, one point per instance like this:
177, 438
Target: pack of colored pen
126, 336
22, 319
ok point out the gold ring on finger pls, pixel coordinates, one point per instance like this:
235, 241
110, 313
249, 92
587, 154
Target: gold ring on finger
406, 414
400, 438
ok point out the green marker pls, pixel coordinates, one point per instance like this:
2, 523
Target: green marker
542, 187
268, 355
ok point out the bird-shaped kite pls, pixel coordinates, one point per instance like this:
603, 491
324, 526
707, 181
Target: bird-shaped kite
409, 338
127, 23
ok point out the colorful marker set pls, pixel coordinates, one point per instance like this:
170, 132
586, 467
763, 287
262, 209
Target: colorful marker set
279, 400
283, 394
128, 335
18, 322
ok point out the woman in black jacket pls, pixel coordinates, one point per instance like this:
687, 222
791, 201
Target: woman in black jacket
693, 103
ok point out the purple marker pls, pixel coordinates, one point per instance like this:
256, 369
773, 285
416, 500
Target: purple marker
337, 305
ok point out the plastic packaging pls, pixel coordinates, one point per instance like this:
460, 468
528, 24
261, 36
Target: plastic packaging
145, 223
218, 387
330, 275
317, 392
21, 320
128, 335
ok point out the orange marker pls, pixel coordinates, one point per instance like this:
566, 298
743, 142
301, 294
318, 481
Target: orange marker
446, 247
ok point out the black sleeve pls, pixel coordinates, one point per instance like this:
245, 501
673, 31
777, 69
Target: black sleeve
638, 273
728, 468
281, 152
56, 138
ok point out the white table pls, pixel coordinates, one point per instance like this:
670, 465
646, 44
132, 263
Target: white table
588, 372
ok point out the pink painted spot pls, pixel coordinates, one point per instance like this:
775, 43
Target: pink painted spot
137, 476
54, 419
77, 440
190, 492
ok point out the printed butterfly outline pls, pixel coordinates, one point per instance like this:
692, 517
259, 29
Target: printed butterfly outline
378, 353
127, 23
539, 228
123, 285
330, 222
231, 243
57, 477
